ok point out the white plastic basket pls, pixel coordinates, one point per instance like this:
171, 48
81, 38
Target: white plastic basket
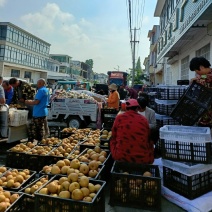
186, 168
18, 117
185, 133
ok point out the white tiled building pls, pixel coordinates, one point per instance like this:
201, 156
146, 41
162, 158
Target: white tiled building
185, 32
24, 55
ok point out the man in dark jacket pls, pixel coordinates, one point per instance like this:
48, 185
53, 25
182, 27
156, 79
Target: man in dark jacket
132, 93
22, 91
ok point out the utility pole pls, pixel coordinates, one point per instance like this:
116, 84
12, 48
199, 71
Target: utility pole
133, 56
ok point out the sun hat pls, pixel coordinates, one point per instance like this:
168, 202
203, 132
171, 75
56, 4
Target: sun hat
132, 103
112, 86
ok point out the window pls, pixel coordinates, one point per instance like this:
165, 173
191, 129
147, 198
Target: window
15, 73
3, 32
27, 74
204, 52
185, 68
2, 51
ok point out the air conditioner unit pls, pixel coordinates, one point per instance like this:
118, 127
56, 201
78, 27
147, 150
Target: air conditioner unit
173, 59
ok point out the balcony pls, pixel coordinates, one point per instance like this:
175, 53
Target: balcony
151, 69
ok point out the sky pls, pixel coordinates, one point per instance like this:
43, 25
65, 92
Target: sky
86, 29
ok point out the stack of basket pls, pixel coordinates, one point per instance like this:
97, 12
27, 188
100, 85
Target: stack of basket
187, 150
166, 99
186, 153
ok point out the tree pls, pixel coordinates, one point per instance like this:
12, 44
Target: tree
90, 63
139, 75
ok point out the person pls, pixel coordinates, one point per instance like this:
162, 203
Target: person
132, 93
130, 136
203, 76
22, 91
113, 99
2, 96
122, 93
8, 91
40, 112
1, 80
84, 86
147, 112
77, 86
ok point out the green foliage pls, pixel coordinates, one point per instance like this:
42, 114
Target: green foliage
139, 75
89, 62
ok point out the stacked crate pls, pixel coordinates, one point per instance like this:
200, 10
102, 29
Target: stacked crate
165, 101
187, 150
186, 153
108, 116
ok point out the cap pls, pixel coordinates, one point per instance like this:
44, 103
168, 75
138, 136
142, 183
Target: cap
132, 103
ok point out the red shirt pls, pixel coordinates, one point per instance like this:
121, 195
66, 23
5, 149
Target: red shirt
130, 139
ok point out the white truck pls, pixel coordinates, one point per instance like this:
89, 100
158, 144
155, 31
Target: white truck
77, 110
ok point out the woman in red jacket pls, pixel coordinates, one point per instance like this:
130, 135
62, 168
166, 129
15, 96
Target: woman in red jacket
130, 136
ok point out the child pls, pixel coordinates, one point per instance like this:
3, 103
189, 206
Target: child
203, 76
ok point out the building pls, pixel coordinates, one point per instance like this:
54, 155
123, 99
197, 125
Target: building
152, 69
81, 71
185, 32
102, 78
64, 71
24, 55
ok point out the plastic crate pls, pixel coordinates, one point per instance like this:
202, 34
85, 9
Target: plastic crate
129, 188
54, 131
18, 117
192, 105
170, 92
7, 169
186, 151
164, 107
107, 151
65, 134
40, 143
15, 159
17, 205
187, 168
37, 162
185, 133
158, 149
162, 120
28, 202
99, 175
27, 181
47, 203
109, 111
190, 187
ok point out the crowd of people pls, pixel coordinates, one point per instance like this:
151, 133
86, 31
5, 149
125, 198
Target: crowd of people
18, 92
134, 131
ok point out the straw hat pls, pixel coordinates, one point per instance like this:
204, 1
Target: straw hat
112, 87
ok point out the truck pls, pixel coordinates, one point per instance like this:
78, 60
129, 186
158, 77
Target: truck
75, 108
117, 77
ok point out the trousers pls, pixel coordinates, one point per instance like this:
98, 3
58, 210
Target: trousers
36, 128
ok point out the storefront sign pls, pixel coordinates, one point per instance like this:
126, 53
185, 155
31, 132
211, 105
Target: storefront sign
116, 75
